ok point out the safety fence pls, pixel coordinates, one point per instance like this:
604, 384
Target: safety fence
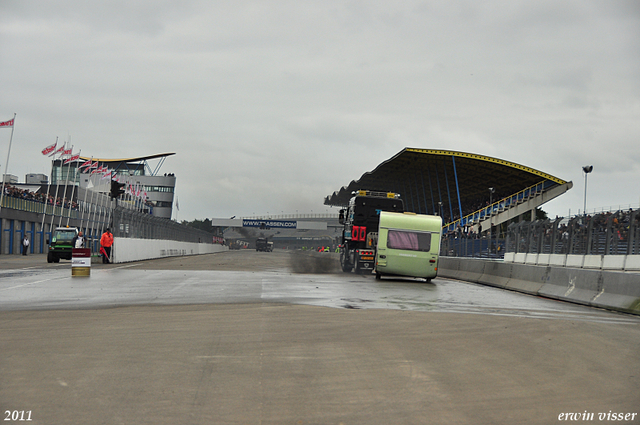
469, 247
37, 221
609, 233
127, 223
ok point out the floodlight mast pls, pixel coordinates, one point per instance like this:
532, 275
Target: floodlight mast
587, 169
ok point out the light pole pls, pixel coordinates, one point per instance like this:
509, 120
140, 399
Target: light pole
587, 169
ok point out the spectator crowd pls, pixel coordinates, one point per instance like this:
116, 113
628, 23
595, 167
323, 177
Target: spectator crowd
16, 192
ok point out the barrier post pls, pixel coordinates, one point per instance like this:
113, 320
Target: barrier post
81, 262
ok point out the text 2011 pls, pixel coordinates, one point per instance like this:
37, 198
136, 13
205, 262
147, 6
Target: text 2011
17, 415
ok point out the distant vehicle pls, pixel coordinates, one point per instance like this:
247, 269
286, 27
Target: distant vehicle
263, 244
61, 244
360, 222
408, 245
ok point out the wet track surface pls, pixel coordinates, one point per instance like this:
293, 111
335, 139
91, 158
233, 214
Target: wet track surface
275, 338
267, 277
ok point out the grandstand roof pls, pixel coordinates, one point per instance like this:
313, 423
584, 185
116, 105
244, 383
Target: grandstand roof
136, 159
132, 164
424, 177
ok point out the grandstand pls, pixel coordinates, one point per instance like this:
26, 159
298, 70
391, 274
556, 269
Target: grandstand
467, 190
134, 171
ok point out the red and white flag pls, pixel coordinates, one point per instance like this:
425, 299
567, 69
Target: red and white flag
98, 170
7, 124
67, 151
49, 149
60, 149
72, 158
85, 164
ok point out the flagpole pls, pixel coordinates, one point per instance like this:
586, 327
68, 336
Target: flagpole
73, 188
92, 213
46, 200
66, 183
84, 202
55, 197
6, 164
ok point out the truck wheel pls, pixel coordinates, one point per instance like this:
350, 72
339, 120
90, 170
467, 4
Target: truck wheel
50, 258
378, 276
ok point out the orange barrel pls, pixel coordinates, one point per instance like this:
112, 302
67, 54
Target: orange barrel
80, 262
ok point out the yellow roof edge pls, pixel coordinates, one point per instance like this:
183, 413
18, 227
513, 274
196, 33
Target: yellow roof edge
488, 159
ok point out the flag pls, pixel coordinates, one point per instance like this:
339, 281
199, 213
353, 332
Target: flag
49, 149
7, 124
67, 151
60, 149
71, 159
85, 164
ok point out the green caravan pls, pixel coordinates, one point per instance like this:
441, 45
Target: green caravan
408, 245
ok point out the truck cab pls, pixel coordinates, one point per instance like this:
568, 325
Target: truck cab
263, 244
61, 244
360, 227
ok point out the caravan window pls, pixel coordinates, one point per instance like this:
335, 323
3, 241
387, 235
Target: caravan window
408, 240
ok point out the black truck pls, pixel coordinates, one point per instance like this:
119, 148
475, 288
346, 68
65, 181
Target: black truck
263, 244
360, 222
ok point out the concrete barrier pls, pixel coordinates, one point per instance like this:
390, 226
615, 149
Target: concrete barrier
632, 263
614, 290
131, 249
574, 285
619, 291
527, 278
557, 260
469, 271
605, 262
543, 259
613, 262
496, 273
573, 260
592, 262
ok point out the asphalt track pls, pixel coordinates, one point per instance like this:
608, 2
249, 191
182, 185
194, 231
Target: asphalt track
271, 338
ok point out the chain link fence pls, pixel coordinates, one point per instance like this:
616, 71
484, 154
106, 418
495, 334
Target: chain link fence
609, 233
127, 223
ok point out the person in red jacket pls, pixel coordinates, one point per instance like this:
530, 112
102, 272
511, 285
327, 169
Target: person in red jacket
106, 241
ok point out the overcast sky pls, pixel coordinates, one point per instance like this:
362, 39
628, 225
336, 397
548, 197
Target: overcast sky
272, 105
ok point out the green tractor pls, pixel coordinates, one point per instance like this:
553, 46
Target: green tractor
61, 244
